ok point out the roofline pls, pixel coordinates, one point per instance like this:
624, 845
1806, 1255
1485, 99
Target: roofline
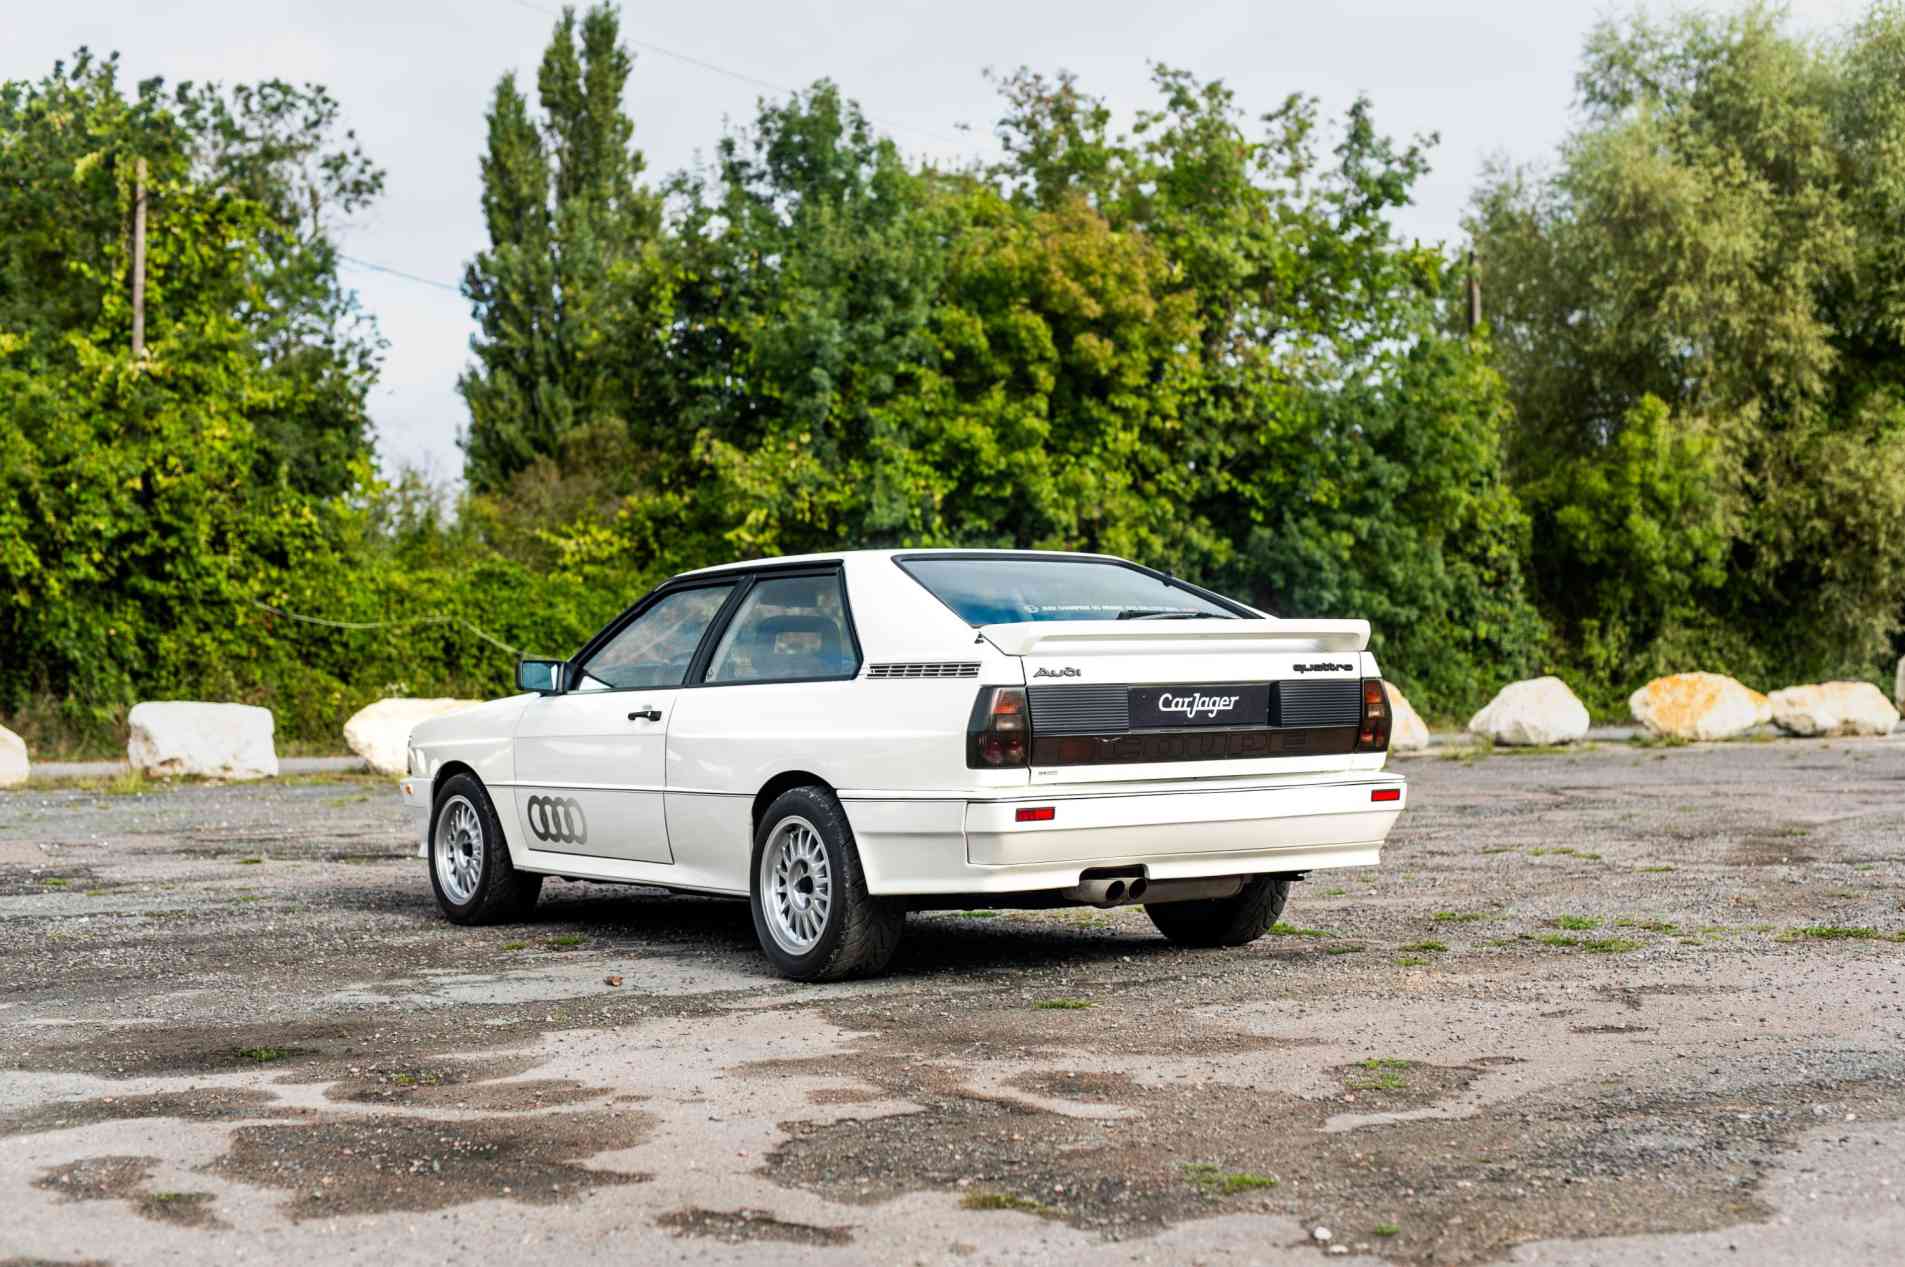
840, 556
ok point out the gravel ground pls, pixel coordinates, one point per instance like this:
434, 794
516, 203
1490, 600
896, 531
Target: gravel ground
1617, 1005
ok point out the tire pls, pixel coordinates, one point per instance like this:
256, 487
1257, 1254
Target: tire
1226, 921
804, 850
470, 871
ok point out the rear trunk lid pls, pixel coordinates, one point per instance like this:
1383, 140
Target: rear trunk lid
1143, 700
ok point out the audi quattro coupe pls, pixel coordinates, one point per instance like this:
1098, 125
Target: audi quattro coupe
843, 738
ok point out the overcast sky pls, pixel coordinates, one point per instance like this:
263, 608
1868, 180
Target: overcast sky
414, 76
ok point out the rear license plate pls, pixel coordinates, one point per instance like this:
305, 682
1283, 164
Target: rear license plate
1231, 704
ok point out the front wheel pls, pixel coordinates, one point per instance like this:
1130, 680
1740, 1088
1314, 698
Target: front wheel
470, 870
1237, 920
812, 913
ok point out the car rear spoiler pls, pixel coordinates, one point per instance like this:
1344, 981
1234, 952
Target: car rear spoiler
1144, 637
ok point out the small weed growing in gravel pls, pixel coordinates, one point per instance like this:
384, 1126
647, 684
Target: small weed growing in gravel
1427, 947
1834, 932
515, 945
982, 914
1575, 921
1334, 892
1660, 870
1410, 961
1384, 1230
1291, 930
55, 882
1609, 946
1006, 1201
416, 1078
1458, 917
1648, 925
1215, 1179
250, 862
1342, 950
563, 941
264, 1055
1382, 1074
1499, 849
1566, 852
1062, 1005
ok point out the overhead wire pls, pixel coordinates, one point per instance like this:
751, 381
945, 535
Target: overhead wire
661, 51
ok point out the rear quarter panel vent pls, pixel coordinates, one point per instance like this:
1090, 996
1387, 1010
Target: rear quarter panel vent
924, 669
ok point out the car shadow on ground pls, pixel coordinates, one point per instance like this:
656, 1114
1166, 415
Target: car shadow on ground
934, 942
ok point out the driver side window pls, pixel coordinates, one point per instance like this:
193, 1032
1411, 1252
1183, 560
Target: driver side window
654, 649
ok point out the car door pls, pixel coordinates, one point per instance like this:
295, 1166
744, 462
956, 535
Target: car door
590, 760
767, 702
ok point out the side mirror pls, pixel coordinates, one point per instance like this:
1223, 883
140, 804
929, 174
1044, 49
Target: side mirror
544, 677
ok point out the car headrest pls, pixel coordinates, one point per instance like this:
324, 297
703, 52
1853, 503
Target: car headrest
768, 630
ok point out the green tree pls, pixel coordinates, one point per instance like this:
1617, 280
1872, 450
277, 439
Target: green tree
144, 501
70, 142
1719, 236
569, 273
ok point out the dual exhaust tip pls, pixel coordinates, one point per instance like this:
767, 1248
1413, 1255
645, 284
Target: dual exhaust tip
1125, 890
1113, 891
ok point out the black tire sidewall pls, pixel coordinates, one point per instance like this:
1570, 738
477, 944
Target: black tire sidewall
836, 837
496, 864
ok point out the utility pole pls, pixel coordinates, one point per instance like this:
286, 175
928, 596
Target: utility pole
1474, 294
139, 259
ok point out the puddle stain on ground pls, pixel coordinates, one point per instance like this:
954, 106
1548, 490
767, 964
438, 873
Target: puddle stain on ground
121, 1178
733, 1227
377, 1163
1554, 1164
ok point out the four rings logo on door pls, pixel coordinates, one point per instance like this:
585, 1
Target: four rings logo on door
557, 818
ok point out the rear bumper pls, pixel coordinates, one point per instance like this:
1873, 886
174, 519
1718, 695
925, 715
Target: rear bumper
962, 845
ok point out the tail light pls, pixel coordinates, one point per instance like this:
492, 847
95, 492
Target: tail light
1374, 734
1000, 735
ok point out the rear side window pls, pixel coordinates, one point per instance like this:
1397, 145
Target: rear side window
1006, 590
788, 628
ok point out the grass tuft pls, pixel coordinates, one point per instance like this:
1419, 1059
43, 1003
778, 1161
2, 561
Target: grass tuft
1459, 917
1427, 947
1006, 1201
1291, 930
563, 941
1062, 1005
1384, 1230
1836, 932
1227, 1183
1576, 922
264, 1055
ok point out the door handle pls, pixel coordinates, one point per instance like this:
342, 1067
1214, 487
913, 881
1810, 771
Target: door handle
648, 711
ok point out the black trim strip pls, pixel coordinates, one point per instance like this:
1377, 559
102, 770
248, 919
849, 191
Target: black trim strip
1162, 746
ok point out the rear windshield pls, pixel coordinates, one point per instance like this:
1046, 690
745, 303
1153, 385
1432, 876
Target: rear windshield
1007, 591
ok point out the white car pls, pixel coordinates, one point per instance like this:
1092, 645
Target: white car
843, 738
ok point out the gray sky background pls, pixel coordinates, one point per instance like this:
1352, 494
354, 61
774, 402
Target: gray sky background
414, 77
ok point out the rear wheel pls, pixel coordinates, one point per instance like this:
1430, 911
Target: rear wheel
813, 915
470, 870
1226, 921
